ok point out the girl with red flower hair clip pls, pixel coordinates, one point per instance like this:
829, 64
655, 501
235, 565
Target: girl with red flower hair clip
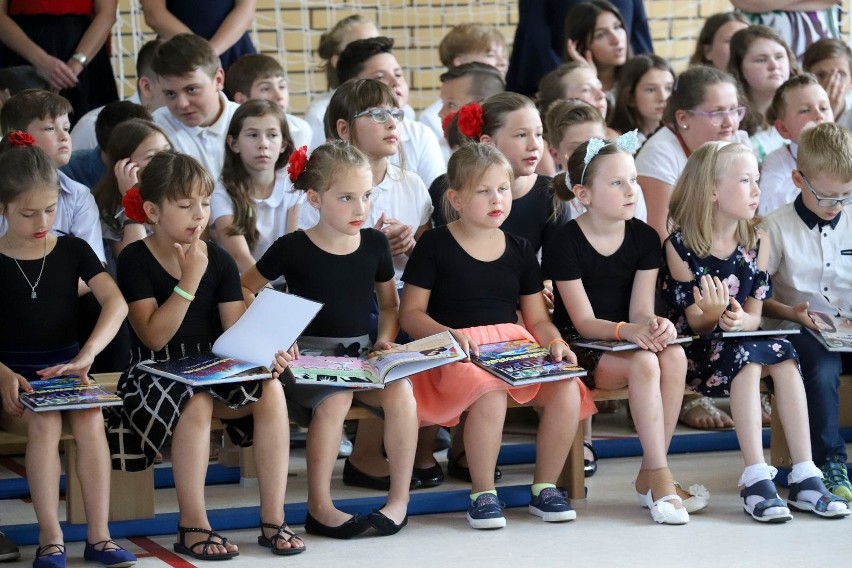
342, 262
253, 202
131, 146
39, 272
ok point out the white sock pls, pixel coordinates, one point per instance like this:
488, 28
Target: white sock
802, 471
806, 470
755, 473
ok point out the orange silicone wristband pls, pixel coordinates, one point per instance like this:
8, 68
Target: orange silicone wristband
618, 330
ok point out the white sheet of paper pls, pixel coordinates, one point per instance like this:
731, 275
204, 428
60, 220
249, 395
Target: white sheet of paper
274, 321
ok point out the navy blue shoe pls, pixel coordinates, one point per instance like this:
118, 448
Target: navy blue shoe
486, 513
552, 506
50, 556
109, 557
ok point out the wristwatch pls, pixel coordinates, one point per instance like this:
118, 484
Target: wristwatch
80, 58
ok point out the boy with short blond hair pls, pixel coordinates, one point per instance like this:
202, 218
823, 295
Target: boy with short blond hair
197, 113
799, 102
810, 269
44, 115
466, 43
260, 76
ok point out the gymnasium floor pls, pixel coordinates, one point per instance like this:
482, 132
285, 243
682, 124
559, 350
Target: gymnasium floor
611, 529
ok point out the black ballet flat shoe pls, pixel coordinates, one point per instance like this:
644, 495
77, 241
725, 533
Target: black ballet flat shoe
385, 525
354, 477
429, 476
590, 467
455, 469
353, 527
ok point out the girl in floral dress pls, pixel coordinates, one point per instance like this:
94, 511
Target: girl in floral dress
716, 280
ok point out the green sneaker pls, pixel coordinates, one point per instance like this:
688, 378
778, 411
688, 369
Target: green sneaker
837, 478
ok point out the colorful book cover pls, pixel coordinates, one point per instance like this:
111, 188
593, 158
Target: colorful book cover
380, 367
614, 345
67, 393
206, 369
835, 332
522, 362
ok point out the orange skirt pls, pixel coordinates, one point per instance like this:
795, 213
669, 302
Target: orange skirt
445, 392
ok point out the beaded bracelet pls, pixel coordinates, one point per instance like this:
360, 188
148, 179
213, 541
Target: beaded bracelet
183, 293
618, 330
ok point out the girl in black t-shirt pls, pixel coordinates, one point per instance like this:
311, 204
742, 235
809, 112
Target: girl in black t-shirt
182, 293
39, 273
468, 278
605, 265
341, 264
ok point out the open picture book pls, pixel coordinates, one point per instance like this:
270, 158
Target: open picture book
522, 362
835, 332
380, 367
67, 393
244, 352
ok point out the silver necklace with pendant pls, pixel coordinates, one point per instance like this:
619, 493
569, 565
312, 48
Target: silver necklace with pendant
33, 294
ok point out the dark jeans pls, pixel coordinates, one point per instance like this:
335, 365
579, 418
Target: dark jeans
821, 370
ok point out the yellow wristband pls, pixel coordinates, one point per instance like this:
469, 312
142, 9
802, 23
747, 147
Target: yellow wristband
618, 330
558, 340
183, 293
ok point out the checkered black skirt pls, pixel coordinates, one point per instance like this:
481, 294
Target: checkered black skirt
152, 405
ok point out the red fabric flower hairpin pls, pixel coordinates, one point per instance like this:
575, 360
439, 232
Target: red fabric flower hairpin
132, 203
471, 121
297, 162
445, 123
21, 138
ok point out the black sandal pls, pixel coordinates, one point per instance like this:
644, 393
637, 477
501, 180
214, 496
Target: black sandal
282, 533
182, 548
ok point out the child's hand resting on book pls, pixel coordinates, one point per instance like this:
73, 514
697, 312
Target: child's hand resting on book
10, 384
282, 360
467, 344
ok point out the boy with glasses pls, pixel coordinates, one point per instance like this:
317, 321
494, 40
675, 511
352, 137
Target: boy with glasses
811, 268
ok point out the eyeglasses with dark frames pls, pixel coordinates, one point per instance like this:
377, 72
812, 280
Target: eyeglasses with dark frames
825, 201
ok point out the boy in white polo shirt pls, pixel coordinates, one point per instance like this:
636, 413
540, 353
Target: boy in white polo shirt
799, 102
810, 265
197, 113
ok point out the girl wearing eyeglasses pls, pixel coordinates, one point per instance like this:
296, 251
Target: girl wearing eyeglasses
703, 107
342, 261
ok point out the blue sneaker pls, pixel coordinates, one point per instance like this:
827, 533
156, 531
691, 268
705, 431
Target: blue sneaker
111, 557
552, 506
486, 513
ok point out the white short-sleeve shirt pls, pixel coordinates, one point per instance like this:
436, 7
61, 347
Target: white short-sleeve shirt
271, 212
810, 264
300, 131
401, 196
204, 143
422, 153
662, 157
776, 182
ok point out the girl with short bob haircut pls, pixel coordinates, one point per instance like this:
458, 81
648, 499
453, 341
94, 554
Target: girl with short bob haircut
183, 293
